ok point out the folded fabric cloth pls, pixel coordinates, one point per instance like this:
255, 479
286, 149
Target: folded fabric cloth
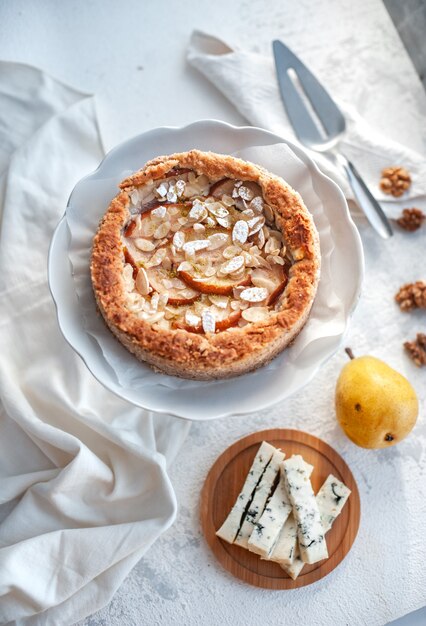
84, 484
249, 81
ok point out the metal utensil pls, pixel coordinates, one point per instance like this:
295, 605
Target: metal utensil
319, 124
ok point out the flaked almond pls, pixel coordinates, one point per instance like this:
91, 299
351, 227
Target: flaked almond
272, 246
157, 258
210, 222
245, 193
255, 314
182, 220
144, 244
185, 266
199, 228
208, 321
240, 232
238, 274
254, 294
162, 230
230, 252
142, 282
134, 306
191, 319
166, 263
257, 204
227, 200
179, 239
191, 247
217, 209
180, 187
178, 284
129, 283
162, 190
255, 224
162, 325
220, 301
187, 293
248, 212
260, 278
217, 240
248, 258
269, 214
167, 283
156, 317
260, 238
171, 193
198, 212
225, 222
263, 262
164, 298
147, 228
232, 265
209, 271
160, 212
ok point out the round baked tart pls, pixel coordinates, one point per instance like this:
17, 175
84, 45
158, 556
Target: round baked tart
205, 266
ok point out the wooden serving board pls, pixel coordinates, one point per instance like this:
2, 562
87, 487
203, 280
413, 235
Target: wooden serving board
224, 483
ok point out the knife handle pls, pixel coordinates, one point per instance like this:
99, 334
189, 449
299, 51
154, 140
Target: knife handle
365, 199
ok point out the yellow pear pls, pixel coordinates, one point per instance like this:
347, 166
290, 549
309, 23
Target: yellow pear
375, 405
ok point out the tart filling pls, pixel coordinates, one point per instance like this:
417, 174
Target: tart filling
202, 255
205, 266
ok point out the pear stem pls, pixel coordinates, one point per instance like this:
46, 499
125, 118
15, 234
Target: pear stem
350, 353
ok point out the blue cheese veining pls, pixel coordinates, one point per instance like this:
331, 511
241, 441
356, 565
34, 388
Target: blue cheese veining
231, 525
261, 495
310, 531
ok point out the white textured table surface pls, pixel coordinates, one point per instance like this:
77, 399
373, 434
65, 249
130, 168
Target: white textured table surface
132, 57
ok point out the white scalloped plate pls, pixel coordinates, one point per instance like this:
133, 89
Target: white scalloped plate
251, 392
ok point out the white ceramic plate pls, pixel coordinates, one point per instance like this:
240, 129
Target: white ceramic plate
342, 255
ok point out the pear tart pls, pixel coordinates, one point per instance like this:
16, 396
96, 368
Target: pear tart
205, 266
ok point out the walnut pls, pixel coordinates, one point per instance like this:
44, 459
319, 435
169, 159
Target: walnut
412, 296
395, 181
417, 349
411, 219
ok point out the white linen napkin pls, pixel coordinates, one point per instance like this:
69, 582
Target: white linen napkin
84, 484
249, 81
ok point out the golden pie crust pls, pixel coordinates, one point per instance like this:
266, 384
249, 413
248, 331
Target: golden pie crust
230, 352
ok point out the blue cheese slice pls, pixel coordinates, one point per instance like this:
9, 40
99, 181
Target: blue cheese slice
293, 569
310, 532
331, 499
284, 548
231, 525
261, 495
267, 528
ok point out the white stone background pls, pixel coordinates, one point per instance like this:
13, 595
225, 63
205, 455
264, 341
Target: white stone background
132, 56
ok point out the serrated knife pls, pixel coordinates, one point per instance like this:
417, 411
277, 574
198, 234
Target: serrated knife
319, 125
